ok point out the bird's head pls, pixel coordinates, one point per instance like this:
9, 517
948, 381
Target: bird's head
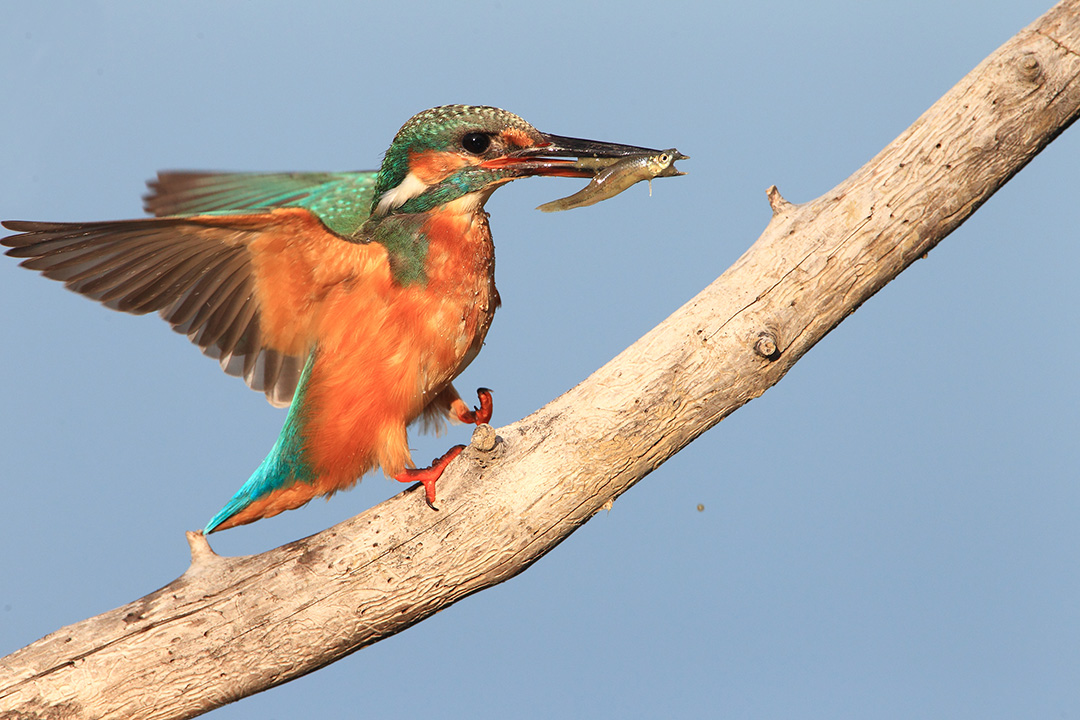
461, 153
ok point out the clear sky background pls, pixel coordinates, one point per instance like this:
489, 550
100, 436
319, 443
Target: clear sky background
891, 532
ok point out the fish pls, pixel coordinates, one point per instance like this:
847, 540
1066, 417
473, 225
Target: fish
614, 176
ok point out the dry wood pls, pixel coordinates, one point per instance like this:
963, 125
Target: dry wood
230, 627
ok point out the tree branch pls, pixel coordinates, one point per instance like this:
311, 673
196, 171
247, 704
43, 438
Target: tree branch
231, 627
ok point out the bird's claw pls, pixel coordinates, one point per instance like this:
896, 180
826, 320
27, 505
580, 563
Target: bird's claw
429, 475
476, 416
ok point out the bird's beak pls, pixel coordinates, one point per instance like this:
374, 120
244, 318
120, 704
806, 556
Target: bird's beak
566, 157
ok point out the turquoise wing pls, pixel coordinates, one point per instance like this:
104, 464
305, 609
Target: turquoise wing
342, 201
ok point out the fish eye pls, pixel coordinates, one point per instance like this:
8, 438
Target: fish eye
476, 142
665, 157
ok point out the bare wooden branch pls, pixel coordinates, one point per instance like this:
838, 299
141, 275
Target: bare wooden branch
230, 627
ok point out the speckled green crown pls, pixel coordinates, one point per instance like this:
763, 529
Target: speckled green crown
430, 123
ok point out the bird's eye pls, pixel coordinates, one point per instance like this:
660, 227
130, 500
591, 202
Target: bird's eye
476, 142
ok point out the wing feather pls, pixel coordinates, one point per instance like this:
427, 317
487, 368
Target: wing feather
196, 272
341, 201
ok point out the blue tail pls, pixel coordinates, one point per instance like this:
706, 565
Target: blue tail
284, 466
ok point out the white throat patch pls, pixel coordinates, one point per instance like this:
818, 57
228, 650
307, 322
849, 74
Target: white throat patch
469, 203
409, 188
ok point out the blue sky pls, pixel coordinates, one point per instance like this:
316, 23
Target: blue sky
891, 531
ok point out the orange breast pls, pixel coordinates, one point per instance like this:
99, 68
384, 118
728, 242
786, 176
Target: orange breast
385, 351
297, 264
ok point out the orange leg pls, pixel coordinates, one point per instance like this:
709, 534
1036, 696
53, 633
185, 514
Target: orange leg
477, 416
427, 476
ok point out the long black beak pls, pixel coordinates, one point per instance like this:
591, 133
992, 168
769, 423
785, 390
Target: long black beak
575, 147
554, 156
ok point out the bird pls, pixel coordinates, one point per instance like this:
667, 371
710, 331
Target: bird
352, 298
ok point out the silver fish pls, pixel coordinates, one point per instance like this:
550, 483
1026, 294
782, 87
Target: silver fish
614, 177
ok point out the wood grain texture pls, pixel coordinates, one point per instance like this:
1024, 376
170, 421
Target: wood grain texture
230, 627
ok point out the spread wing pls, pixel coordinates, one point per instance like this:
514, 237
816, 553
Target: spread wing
201, 272
237, 285
342, 201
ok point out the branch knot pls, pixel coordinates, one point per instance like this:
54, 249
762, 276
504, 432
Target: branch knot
765, 346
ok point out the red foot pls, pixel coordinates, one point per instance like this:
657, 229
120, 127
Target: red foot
480, 415
427, 476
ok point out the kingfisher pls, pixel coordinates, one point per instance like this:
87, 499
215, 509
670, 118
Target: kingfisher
353, 298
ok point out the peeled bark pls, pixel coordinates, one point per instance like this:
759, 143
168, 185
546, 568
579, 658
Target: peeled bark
231, 627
